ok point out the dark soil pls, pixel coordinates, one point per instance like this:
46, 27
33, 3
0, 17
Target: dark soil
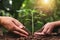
11, 36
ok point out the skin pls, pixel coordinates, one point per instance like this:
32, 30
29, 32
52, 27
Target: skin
48, 28
13, 25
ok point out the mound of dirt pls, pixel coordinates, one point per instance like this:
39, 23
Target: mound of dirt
11, 36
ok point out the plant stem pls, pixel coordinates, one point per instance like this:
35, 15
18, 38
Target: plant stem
32, 24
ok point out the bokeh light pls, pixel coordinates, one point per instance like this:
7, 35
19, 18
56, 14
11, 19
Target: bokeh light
45, 5
46, 1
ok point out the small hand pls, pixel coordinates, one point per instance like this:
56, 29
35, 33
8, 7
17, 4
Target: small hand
46, 29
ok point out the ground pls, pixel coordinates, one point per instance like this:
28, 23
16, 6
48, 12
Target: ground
11, 36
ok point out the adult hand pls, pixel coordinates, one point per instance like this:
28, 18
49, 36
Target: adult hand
13, 25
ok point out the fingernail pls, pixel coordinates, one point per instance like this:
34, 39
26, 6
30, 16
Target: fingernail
21, 26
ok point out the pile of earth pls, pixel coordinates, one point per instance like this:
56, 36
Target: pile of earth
55, 35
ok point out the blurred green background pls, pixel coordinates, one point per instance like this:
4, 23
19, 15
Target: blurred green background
25, 11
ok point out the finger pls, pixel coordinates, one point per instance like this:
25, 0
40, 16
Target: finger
21, 30
14, 27
38, 33
49, 31
45, 29
18, 23
20, 33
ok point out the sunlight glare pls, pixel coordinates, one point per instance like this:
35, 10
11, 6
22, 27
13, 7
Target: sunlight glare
46, 1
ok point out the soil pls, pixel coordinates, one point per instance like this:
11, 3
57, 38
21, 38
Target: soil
55, 35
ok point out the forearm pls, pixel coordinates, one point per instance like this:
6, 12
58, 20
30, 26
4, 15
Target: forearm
56, 23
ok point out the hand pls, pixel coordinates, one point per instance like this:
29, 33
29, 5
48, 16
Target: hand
46, 29
13, 25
